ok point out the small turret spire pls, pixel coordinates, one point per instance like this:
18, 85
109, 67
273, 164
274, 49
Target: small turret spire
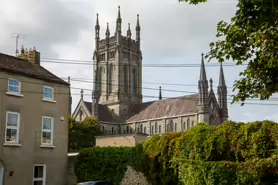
107, 33
211, 84
128, 31
160, 93
203, 76
138, 24
222, 82
81, 94
119, 13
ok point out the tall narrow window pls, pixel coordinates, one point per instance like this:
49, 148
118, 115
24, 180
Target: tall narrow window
159, 129
39, 174
100, 80
176, 127
141, 128
125, 79
134, 84
47, 131
152, 131
155, 128
110, 76
112, 130
171, 129
188, 124
145, 130
12, 127
80, 115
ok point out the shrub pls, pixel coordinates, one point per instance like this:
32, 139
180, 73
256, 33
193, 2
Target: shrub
233, 153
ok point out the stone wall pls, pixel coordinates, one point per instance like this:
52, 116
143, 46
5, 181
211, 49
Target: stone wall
71, 177
133, 177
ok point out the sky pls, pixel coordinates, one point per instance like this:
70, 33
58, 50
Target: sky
171, 33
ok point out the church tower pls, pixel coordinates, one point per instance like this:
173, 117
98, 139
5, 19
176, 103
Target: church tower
203, 111
118, 68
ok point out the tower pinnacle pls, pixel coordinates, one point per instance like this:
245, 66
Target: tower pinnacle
203, 75
222, 82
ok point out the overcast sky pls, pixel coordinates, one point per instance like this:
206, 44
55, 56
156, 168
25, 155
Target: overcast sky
171, 33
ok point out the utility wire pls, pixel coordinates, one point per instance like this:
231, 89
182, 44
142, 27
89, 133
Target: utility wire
86, 62
188, 98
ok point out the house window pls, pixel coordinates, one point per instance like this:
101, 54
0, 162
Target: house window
14, 86
47, 130
12, 127
39, 175
188, 124
48, 93
159, 129
155, 128
145, 130
152, 130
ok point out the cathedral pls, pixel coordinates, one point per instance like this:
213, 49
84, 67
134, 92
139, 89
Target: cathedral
117, 91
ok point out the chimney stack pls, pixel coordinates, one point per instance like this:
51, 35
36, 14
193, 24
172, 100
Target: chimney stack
32, 56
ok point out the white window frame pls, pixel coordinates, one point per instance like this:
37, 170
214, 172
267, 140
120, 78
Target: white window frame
13, 127
43, 179
19, 86
46, 98
47, 130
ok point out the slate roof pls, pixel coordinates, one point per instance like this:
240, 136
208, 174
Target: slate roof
105, 114
154, 109
163, 108
24, 67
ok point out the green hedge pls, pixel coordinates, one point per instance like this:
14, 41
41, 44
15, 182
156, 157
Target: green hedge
233, 153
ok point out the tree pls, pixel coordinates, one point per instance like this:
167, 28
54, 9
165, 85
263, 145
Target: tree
82, 134
251, 37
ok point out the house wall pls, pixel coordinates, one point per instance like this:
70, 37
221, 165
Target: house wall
19, 159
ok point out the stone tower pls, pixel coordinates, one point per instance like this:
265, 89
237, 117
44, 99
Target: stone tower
203, 110
222, 96
117, 68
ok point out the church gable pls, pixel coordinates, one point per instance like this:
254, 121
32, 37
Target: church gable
81, 111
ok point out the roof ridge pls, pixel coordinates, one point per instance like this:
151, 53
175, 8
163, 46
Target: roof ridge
17, 58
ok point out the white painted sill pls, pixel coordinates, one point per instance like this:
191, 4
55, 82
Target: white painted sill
14, 94
12, 144
47, 146
48, 100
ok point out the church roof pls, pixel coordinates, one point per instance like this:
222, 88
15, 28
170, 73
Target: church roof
153, 109
163, 108
105, 114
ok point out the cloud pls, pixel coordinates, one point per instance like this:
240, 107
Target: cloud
171, 32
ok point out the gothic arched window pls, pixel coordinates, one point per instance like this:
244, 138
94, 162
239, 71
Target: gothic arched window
152, 131
145, 130
127, 129
110, 78
188, 124
134, 84
125, 79
155, 128
170, 127
141, 128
